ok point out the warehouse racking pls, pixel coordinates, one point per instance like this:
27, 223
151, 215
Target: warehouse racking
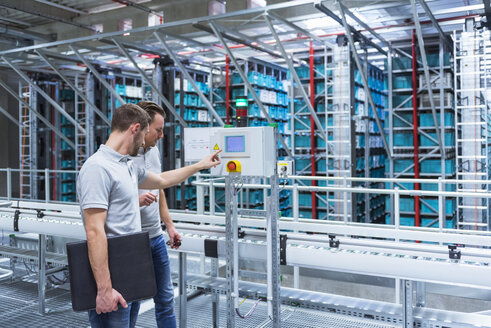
366, 157
416, 149
341, 108
472, 120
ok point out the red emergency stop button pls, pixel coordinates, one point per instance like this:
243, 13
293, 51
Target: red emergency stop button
233, 166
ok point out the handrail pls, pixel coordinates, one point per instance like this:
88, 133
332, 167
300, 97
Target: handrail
362, 190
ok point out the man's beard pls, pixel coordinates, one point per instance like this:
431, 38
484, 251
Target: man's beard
135, 149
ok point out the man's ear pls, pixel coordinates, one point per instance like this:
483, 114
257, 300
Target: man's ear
135, 128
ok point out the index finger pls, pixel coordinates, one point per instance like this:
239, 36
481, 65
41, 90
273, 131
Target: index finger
217, 152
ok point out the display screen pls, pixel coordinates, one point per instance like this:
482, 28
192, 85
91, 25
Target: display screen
235, 144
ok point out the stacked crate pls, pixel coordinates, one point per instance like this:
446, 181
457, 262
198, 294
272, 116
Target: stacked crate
194, 111
433, 166
302, 134
370, 152
68, 191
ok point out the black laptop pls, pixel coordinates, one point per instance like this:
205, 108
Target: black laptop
130, 265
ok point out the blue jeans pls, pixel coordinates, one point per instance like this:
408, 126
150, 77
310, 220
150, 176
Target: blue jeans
164, 300
122, 318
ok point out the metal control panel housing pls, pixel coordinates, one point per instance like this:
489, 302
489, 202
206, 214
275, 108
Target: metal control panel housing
253, 147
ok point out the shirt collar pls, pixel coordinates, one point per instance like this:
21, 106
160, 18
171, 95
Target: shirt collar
114, 155
142, 151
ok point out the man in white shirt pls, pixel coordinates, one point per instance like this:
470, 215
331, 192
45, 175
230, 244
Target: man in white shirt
154, 212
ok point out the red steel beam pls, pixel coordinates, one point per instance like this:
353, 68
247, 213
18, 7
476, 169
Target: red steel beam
227, 88
312, 128
417, 219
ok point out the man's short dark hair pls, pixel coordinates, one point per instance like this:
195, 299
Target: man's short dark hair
152, 108
126, 115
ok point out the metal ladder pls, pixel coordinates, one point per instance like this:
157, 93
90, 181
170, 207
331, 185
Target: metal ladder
27, 144
84, 115
338, 112
472, 118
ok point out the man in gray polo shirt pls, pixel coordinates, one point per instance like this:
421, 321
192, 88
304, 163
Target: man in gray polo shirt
107, 188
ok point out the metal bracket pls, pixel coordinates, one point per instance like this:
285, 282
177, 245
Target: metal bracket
241, 233
283, 249
211, 248
16, 220
333, 243
453, 253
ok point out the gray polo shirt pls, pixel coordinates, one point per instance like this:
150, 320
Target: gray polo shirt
150, 215
110, 181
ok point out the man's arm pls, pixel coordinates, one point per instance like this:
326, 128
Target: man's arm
174, 236
107, 298
171, 178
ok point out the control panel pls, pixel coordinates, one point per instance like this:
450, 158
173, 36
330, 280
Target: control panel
248, 150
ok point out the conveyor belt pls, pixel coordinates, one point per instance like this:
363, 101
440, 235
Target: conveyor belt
32, 255
200, 316
349, 307
18, 309
382, 311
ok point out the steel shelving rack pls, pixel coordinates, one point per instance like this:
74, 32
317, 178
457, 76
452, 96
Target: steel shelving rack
472, 50
417, 152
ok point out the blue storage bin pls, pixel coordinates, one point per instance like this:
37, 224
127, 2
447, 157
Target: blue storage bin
400, 123
358, 78
68, 131
300, 126
300, 104
121, 89
320, 142
449, 224
399, 99
236, 79
449, 206
65, 145
403, 139
68, 198
68, 176
302, 72
426, 119
301, 164
434, 166
302, 141
409, 221
68, 187
399, 63
220, 109
401, 164
67, 164
448, 137
304, 199
402, 81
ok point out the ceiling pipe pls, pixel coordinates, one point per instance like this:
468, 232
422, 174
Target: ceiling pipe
303, 37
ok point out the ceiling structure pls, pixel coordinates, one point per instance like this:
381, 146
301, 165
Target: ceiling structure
246, 31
